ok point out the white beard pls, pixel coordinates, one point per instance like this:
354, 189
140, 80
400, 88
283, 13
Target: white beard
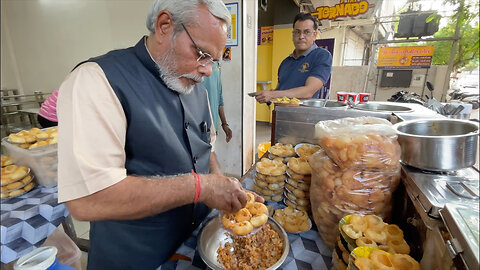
166, 66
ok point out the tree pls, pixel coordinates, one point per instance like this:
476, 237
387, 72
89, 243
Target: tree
467, 53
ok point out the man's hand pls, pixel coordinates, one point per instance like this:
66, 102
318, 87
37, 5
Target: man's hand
265, 96
223, 193
228, 132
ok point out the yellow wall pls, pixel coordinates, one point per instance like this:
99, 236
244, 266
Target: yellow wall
282, 47
264, 73
269, 58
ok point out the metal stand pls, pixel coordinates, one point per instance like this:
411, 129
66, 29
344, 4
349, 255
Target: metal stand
376, 85
423, 88
83, 244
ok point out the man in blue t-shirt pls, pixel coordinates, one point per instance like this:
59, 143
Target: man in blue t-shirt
304, 72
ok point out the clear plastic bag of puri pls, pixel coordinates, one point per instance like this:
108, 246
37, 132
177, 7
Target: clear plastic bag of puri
356, 171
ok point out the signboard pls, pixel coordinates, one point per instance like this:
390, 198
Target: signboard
342, 9
266, 35
232, 31
405, 57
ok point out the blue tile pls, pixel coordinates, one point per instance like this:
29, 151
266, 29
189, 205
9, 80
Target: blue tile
12, 200
40, 195
9, 222
53, 202
310, 245
36, 221
301, 265
57, 221
25, 207
19, 244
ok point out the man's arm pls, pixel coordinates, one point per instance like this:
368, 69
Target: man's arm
138, 197
225, 126
311, 86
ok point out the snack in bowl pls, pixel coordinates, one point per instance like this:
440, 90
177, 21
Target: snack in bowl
33, 138
373, 258
286, 100
6, 160
12, 173
292, 220
306, 150
371, 231
299, 165
282, 150
253, 215
260, 250
271, 167
14, 138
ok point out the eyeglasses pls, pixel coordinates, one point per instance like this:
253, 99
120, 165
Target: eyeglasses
306, 32
204, 58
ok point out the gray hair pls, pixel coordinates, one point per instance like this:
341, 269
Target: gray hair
184, 12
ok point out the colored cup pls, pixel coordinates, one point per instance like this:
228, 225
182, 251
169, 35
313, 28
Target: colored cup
364, 97
352, 98
342, 97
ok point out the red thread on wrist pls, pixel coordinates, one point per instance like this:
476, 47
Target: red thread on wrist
198, 187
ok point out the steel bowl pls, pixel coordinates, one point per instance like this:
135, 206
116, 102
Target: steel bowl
321, 103
438, 144
378, 107
212, 234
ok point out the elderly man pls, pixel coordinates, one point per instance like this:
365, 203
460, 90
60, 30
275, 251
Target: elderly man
304, 72
135, 151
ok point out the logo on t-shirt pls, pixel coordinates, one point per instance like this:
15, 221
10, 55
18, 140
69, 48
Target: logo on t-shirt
304, 67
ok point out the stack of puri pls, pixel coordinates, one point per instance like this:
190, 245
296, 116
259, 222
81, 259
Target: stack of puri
270, 179
15, 180
355, 174
34, 137
297, 187
281, 151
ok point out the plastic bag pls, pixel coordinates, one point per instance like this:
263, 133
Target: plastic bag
362, 184
359, 142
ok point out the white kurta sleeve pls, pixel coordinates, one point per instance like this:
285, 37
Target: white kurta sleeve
91, 137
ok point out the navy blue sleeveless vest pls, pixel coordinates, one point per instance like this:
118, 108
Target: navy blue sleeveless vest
167, 134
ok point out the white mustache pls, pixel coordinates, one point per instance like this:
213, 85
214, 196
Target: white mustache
196, 78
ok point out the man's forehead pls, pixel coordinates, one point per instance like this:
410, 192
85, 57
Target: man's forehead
304, 24
211, 41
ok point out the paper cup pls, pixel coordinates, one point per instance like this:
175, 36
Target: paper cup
364, 97
352, 98
342, 97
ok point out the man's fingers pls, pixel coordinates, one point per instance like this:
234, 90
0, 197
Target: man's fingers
243, 198
236, 205
259, 198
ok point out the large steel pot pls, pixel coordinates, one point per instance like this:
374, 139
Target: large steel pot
438, 144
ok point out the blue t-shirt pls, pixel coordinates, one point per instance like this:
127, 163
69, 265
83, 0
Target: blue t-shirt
293, 72
213, 84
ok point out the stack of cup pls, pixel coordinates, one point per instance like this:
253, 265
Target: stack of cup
353, 98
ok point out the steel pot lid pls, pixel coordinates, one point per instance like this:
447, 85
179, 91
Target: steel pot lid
463, 224
379, 107
436, 128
